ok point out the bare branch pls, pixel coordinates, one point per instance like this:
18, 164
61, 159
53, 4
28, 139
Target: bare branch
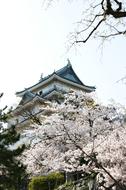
114, 34
84, 41
91, 22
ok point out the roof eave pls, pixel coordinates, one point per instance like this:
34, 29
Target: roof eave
52, 93
55, 76
30, 102
32, 88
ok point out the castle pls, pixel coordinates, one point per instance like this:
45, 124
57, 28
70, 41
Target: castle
52, 88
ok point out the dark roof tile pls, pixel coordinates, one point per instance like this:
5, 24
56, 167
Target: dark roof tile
67, 73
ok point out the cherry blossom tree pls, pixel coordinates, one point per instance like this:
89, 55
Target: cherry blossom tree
79, 135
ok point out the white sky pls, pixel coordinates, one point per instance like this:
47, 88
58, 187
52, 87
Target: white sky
33, 41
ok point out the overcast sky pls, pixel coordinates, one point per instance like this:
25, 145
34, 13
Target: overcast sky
34, 40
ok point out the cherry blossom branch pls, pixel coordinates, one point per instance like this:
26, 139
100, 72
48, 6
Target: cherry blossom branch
93, 157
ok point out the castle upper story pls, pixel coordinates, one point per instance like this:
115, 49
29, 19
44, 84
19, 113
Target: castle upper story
54, 85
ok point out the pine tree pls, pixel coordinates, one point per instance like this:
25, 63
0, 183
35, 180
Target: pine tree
12, 171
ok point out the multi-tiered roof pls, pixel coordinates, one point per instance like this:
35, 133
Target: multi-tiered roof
59, 82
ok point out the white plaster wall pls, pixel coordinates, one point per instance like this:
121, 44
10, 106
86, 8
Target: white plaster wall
59, 85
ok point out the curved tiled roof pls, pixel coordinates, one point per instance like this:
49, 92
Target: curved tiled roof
27, 97
66, 73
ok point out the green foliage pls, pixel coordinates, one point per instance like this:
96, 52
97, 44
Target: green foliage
12, 171
48, 182
68, 186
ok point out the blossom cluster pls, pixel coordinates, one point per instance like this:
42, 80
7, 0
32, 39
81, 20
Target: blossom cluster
78, 127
